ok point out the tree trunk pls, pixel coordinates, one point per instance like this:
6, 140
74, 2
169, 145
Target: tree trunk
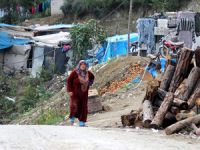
160, 115
166, 80
183, 105
194, 96
181, 69
197, 56
182, 124
190, 84
147, 113
181, 116
151, 91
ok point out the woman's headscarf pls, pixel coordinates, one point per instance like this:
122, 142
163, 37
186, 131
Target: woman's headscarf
80, 72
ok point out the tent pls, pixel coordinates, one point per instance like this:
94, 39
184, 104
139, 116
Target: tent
116, 46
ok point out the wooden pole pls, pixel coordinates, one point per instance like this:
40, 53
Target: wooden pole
129, 26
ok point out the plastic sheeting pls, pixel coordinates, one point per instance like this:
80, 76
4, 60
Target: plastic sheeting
7, 41
53, 27
38, 59
53, 39
116, 46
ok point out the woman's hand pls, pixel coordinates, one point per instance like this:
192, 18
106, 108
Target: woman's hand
70, 93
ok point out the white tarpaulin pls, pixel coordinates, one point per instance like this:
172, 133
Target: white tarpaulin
54, 39
38, 59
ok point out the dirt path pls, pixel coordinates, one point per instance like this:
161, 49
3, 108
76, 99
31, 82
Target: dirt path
74, 138
118, 103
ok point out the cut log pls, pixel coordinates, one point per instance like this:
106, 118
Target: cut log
182, 116
180, 89
197, 56
181, 69
170, 119
190, 83
162, 111
147, 113
194, 96
129, 120
161, 93
183, 105
151, 91
174, 110
175, 128
166, 80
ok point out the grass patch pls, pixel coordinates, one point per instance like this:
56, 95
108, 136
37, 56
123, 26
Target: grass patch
51, 117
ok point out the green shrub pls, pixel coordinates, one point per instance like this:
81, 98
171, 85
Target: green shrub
50, 117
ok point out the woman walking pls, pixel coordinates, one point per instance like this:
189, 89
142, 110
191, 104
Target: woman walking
78, 84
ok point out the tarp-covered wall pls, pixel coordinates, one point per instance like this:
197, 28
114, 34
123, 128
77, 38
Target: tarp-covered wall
38, 59
16, 57
7, 41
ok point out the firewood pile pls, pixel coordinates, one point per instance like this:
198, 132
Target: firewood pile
173, 102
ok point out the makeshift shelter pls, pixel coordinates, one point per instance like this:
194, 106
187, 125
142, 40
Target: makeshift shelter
14, 51
50, 29
115, 46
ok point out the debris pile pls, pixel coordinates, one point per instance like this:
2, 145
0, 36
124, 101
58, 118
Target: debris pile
133, 71
172, 103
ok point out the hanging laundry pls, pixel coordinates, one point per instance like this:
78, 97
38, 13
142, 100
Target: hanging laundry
33, 10
186, 32
66, 48
186, 14
40, 7
145, 27
197, 24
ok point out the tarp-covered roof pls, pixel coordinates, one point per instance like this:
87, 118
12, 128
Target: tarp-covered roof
7, 41
53, 27
53, 39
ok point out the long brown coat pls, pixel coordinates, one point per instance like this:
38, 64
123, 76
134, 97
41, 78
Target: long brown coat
79, 99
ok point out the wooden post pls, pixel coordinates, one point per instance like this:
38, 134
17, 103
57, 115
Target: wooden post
166, 80
182, 124
129, 26
182, 69
147, 113
162, 111
194, 96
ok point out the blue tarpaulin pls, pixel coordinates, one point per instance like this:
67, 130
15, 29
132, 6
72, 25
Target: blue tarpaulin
116, 46
7, 41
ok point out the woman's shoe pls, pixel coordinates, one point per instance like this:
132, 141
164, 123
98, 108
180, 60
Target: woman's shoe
81, 124
71, 121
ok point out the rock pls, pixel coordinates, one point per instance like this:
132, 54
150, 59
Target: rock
94, 105
107, 108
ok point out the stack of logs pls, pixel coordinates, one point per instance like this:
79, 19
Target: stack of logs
172, 103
